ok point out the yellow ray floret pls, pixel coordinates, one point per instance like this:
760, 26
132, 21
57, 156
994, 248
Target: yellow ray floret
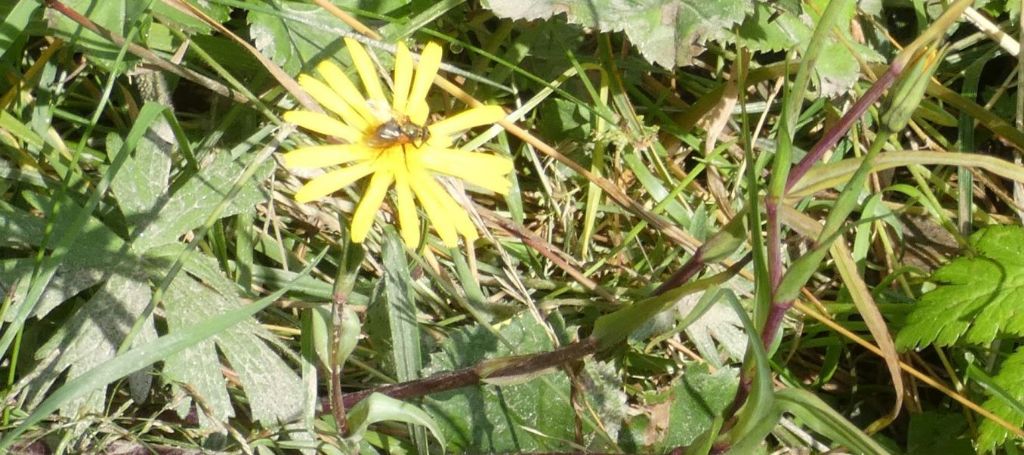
410, 163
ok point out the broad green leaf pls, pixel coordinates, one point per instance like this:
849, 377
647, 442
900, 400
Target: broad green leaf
525, 417
669, 33
718, 324
135, 359
15, 22
274, 391
693, 402
92, 337
198, 366
1011, 380
602, 383
66, 283
189, 206
978, 296
614, 327
78, 222
173, 15
143, 179
837, 68
296, 35
95, 246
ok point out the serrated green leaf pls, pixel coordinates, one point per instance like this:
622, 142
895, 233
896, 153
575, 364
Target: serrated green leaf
91, 337
603, 385
134, 359
71, 240
274, 391
189, 206
142, 180
95, 246
1010, 379
771, 29
66, 283
978, 297
718, 324
667, 32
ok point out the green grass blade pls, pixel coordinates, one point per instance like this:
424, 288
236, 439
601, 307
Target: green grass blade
818, 415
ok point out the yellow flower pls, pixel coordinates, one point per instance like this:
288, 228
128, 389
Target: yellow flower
390, 141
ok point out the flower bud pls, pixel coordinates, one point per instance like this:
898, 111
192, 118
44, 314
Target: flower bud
906, 95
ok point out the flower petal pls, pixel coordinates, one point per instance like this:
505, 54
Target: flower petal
445, 227
330, 99
362, 220
430, 62
450, 211
333, 181
477, 116
367, 72
323, 124
457, 213
417, 111
408, 219
341, 84
480, 169
403, 77
318, 156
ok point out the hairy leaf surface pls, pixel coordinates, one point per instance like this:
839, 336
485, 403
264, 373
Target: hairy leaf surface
667, 32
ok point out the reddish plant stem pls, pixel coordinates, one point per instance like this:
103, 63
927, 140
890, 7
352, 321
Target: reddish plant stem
831, 138
777, 310
775, 268
684, 274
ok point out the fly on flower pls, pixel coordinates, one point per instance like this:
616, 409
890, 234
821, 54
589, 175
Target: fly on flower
398, 132
389, 139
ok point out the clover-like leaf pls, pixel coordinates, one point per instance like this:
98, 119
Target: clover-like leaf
978, 296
